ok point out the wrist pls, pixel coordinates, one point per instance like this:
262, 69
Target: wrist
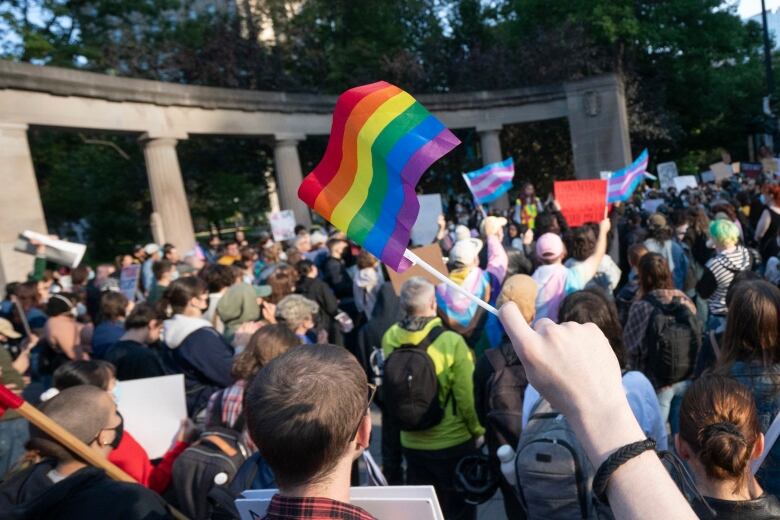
605, 430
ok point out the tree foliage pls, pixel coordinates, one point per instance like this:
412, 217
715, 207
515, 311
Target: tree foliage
692, 68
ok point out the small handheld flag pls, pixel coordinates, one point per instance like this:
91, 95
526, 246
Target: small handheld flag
490, 182
381, 142
622, 184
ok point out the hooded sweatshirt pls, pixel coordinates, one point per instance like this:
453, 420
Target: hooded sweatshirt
202, 355
87, 493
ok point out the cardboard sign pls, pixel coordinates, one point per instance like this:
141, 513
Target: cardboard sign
666, 173
431, 254
282, 224
152, 409
752, 170
426, 227
686, 181
581, 201
769, 165
128, 280
382, 502
722, 171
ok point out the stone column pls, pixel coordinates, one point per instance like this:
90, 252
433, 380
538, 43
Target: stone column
490, 144
20, 202
169, 199
289, 176
598, 125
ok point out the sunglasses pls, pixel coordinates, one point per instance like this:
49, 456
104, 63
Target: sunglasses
371, 394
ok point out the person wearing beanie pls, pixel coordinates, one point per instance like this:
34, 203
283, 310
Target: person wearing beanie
503, 361
554, 280
457, 311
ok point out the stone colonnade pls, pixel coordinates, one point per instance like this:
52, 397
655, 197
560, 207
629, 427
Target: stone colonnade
164, 114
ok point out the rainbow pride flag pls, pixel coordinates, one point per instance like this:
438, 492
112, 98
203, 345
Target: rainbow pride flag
622, 184
381, 142
491, 181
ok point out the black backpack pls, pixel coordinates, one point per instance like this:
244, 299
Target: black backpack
212, 461
671, 342
411, 388
504, 400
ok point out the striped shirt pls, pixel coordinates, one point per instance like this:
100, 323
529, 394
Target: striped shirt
724, 267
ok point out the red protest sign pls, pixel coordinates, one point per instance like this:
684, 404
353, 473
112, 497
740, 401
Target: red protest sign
582, 201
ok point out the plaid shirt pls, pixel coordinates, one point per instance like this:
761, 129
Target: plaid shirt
289, 508
232, 408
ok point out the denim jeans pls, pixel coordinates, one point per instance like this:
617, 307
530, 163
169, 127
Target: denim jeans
669, 399
14, 434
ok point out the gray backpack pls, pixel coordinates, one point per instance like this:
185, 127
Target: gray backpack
554, 476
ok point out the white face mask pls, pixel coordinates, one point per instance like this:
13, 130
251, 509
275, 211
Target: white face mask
115, 393
81, 309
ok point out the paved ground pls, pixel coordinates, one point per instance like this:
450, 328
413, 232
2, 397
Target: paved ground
490, 510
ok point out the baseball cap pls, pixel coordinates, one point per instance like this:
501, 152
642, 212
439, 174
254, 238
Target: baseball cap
657, 220
520, 289
465, 251
151, 248
549, 246
7, 330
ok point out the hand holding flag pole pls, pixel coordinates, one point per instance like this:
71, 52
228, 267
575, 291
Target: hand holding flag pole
381, 142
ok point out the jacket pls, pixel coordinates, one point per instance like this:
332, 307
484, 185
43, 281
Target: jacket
87, 493
133, 459
762, 508
454, 365
202, 355
238, 305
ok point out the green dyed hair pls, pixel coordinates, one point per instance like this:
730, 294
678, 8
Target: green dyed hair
724, 232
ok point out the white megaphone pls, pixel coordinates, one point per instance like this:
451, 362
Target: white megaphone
58, 251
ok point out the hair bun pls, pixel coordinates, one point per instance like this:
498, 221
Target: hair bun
724, 446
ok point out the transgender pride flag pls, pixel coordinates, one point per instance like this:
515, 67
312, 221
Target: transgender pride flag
622, 183
490, 182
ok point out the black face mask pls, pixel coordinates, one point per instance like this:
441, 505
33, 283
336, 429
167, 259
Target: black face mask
119, 431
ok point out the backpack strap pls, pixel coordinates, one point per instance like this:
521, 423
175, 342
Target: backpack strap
220, 443
769, 441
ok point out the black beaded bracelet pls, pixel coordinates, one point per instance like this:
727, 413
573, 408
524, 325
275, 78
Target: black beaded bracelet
614, 461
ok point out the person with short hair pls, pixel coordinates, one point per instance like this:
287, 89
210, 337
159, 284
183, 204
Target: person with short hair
164, 273
307, 412
367, 282
231, 255
132, 355
432, 454
582, 246
720, 434
719, 272
114, 307
147, 275
312, 287
218, 279
63, 486
626, 295
299, 314
660, 240
554, 280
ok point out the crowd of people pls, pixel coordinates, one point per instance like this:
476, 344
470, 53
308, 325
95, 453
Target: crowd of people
285, 347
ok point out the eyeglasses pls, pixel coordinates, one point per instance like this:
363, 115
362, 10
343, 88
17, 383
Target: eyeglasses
371, 394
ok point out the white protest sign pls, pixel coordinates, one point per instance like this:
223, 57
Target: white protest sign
152, 409
666, 173
128, 280
652, 205
282, 224
58, 251
721, 170
686, 181
383, 502
604, 176
427, 225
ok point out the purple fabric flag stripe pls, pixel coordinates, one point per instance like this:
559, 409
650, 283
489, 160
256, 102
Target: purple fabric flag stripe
506, 163
622, 185
443, 143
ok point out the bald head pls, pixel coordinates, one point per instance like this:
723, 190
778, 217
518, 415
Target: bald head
83, 410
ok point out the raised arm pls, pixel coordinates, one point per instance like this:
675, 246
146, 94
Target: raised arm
574, 368
590, 266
